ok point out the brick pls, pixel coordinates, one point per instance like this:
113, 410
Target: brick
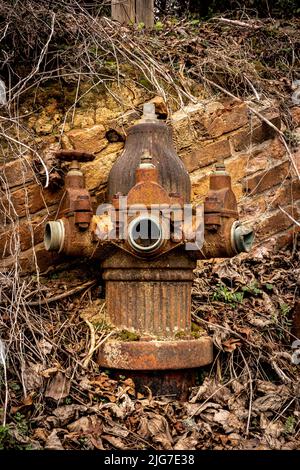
276, 222
15, 173
297, 159
286, 194
228, 120
206, 155
252, 208
160, 106
238, 191
89, 140
32, 198
200, 188
30, 232
295, 113
237, 166
286, 238
26, 235
256, 133
271, 150
27, 260
266, 179
207, 120
245, 164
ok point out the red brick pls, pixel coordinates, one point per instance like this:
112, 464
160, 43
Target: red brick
286, 238
251, 207
295, 113
27, 260
31, 198
297, 159
29, 232
271, 149
16, 173
266, 179
229, 119
286, 194
206, 155
276, 222
257, 132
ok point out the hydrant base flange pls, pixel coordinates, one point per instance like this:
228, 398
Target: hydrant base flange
156, 355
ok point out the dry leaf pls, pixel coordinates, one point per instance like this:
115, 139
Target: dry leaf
115, 430
272, 402
97, 442
53, 442
40, 434
228, 420
195, 409
186, 442
66, 413
87, 425
48, 372
45, 347
272, 428
157, 427
231, 344
114, 441
58, 387
32, 376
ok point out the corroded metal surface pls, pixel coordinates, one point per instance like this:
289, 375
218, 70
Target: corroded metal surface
220, 212
149, 298
156, 355
76, 202
157, 139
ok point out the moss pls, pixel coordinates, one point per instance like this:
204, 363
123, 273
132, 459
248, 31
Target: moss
101, 325
126, 335
197, 331
145, 83
180, 335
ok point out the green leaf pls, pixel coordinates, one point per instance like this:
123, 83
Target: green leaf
159, 26
269, 286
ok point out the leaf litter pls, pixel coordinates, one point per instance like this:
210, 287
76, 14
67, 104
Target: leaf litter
247, 399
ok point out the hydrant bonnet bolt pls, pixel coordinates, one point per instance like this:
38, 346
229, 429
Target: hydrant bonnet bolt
54, 235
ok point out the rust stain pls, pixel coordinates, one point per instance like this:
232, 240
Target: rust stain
156, 355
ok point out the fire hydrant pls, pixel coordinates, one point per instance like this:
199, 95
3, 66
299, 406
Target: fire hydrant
148, 239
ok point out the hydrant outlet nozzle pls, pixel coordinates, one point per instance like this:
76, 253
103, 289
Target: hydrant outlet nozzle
54, 235
242, 237
145, 234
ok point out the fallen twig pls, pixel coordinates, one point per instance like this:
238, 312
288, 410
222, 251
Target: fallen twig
68, 293
241, 24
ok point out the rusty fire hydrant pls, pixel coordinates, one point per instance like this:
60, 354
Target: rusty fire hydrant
148, 240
